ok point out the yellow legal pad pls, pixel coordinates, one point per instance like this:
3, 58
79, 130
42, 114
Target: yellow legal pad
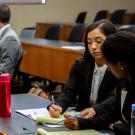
41, 131
2, 133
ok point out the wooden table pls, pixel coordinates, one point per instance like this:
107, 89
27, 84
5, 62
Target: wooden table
48, 59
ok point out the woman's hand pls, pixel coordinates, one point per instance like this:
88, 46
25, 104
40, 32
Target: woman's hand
71, 123
55, 110
113, 124
88, 113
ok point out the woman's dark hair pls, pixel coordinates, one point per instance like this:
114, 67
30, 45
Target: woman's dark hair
106, 27
120, 47
4, 13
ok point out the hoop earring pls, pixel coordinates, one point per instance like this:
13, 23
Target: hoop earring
122, 68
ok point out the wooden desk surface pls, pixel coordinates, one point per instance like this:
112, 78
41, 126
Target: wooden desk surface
48, 59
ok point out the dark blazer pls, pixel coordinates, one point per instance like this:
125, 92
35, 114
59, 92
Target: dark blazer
78, 87
125, 127
112, 113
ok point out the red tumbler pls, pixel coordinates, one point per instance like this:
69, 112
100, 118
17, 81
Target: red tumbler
5, 95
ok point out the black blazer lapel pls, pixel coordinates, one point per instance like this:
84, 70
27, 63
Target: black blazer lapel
106, 87
87, 74
129, 100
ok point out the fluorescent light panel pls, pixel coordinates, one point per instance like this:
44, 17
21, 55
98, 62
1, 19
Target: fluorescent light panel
22, 1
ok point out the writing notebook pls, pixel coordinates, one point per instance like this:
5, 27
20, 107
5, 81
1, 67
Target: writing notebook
41, 131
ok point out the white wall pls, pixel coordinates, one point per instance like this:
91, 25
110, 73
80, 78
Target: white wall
63, 11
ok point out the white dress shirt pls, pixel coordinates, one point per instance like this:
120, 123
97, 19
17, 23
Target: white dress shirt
2, 29
123, 96
98, 75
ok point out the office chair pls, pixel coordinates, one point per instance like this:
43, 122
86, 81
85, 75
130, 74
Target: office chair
118, 16
76, 33
129, 28
81, 17
101, 15
15, 86
53, 32
28, 32
132, 20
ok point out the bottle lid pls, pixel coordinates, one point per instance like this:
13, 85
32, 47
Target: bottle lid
133, 106
4, 74
4, 77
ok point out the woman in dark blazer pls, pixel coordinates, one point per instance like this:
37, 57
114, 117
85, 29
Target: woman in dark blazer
80, 89
117, 116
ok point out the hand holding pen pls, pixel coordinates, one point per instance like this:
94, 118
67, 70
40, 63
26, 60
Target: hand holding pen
54, 110
72, 122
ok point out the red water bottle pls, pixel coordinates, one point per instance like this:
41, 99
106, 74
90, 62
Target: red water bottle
5, 95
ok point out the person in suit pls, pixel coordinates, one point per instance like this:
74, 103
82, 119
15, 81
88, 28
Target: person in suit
10, 46
118, 51
90, 82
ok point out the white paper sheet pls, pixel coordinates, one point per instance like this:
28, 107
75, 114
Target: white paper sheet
34, 113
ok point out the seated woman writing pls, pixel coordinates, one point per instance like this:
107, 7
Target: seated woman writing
118, 51
90, 81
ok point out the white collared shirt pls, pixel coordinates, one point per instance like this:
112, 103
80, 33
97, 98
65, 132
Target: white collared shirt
123, 97
98, 75
2, 29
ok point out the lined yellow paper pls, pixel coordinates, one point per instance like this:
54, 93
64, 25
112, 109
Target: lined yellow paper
41, 131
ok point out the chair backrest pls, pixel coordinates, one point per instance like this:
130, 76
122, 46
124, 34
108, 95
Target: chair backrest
76, 33
101, 15
53, 32
129, 28
118, 16
81, 17
132, 21
16, 69
28, 32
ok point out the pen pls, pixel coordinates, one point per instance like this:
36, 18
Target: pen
73, 116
